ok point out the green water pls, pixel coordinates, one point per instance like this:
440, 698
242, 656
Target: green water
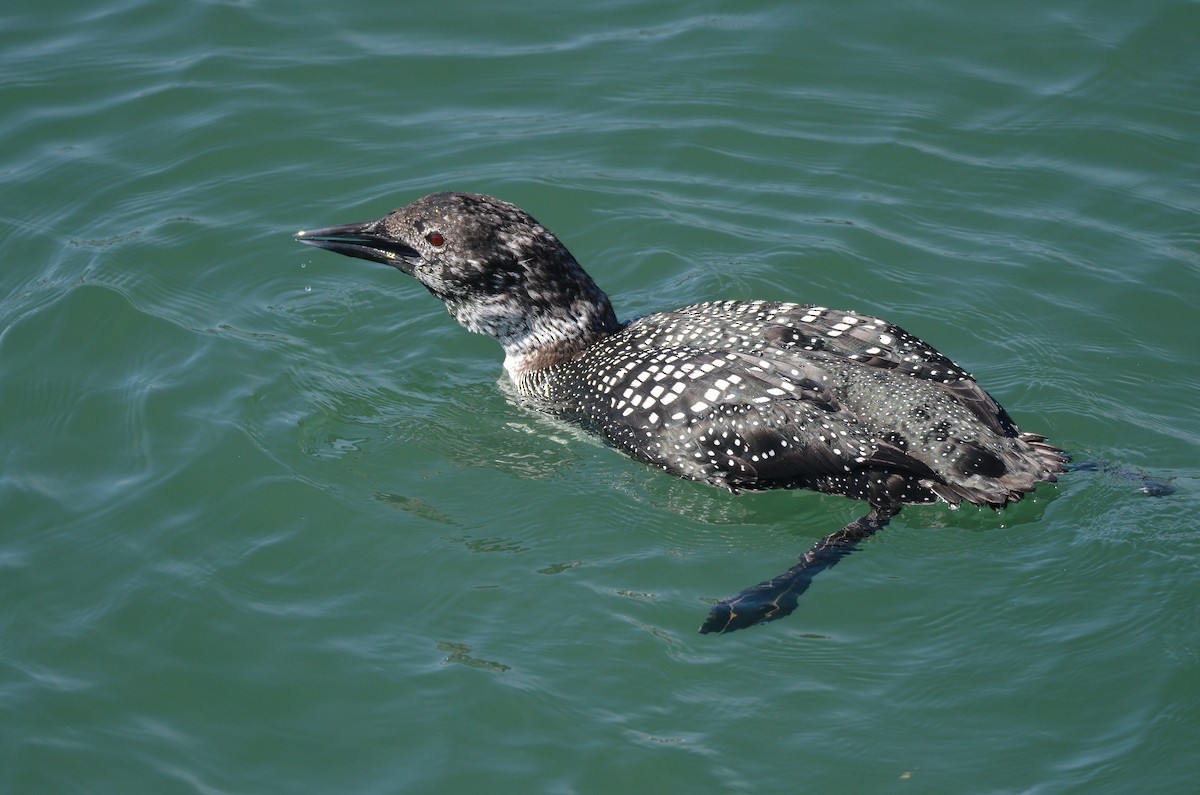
271, 523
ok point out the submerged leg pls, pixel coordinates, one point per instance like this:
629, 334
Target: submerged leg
777, 597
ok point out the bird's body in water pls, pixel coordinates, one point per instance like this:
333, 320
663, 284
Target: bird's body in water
743, 395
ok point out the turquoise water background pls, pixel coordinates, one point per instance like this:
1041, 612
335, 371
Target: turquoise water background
272, 523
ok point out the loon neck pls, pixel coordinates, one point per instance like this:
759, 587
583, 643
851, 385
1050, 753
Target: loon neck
531, 296
557, 337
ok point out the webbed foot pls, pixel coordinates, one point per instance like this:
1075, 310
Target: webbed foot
1149, 486
757, 604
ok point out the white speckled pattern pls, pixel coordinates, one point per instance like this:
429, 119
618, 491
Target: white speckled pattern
754, 395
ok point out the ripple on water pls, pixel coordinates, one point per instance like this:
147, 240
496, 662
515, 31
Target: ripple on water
269, 524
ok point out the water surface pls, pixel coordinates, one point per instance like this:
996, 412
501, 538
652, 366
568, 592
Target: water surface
272, 524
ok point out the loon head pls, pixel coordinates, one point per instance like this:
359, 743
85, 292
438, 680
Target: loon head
498, 271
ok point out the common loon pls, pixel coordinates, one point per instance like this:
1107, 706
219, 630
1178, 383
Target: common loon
744, 395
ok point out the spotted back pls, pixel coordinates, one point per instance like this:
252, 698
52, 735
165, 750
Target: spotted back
767, 395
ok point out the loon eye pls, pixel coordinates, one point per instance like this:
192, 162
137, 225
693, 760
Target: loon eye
435, 239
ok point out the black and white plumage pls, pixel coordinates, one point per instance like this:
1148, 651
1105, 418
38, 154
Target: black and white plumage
744, 395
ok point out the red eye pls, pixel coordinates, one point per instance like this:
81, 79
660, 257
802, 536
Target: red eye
435, 239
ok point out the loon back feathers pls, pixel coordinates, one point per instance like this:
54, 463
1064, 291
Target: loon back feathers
739, 394
874, 414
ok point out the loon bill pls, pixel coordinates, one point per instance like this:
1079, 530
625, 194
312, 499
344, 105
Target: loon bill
744, 395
